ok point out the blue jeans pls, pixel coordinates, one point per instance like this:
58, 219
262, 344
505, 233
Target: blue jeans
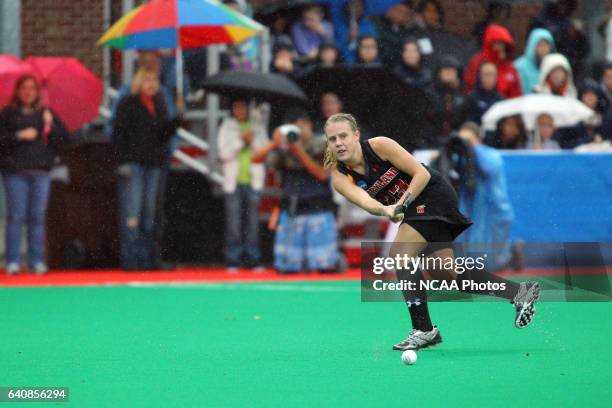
242, 226
27, 196
306, 242
138, 187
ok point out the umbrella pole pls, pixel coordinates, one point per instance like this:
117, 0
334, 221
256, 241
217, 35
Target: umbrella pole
180, 100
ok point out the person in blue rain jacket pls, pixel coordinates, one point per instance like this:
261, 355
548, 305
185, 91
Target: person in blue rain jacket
487, 203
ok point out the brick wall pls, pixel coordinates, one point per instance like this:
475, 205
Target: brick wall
63, 28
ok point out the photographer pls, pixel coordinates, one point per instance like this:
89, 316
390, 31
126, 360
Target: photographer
484, 198
306, 231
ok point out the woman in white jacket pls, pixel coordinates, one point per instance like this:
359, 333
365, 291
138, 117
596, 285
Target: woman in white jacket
238, 141
556, 77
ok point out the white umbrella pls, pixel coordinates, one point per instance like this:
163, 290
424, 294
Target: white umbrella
565, 111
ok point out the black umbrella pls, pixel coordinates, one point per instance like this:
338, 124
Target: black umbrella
448, 43
255, 85
291, 9
380, 100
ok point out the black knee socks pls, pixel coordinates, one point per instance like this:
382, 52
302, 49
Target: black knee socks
416, 300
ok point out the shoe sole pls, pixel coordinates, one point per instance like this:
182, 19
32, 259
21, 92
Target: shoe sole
434, 342
528, 309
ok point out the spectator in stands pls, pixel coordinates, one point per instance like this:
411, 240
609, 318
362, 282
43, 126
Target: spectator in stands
498, 13
556, 77
367, 50
447, 99
484, 94
392, 30
141, 134
430, 13
238, 141
306, 237
510, 134
279, 31
283, 61
329, 55
606, 82
30, 135
543, 134
539, 45
411, 69
487, 203
570, 40
498, 48
606, 127
330, 104
349, 29
310, 32
593, 97
594, 130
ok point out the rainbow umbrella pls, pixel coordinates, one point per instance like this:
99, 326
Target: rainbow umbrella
179, 24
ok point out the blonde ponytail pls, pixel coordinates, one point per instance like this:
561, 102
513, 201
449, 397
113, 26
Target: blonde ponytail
330, 161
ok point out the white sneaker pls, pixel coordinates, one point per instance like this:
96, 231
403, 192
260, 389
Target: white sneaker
418, 339
13, 268
524, 303
39, 269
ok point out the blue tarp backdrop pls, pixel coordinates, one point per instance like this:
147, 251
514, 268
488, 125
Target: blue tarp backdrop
560, 197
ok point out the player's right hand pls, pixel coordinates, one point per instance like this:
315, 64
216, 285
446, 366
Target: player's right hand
394, 213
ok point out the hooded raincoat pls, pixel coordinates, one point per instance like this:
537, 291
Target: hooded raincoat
527, 64
508, 81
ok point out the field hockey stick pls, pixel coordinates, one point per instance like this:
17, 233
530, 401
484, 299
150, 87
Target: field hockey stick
402, 209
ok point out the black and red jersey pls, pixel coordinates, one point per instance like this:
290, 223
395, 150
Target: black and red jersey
386, 184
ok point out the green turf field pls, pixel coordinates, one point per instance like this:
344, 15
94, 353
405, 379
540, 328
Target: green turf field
295, 344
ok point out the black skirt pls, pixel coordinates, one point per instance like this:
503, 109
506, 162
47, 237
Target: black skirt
438, 202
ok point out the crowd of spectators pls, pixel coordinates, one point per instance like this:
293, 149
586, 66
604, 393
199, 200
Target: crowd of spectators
403, 40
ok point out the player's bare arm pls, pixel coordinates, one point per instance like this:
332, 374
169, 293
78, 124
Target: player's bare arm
359, 197
389, 149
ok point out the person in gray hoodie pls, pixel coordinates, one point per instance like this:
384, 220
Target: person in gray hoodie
539, 44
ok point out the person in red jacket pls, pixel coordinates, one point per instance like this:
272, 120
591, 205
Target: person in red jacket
498, 48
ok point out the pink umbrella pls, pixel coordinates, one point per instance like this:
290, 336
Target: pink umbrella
11, 68
69, 88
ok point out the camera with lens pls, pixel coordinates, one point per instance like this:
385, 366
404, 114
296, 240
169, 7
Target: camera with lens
456, 163
290, 134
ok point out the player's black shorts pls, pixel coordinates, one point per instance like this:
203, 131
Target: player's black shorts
435, 212
433, 230
438, 234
